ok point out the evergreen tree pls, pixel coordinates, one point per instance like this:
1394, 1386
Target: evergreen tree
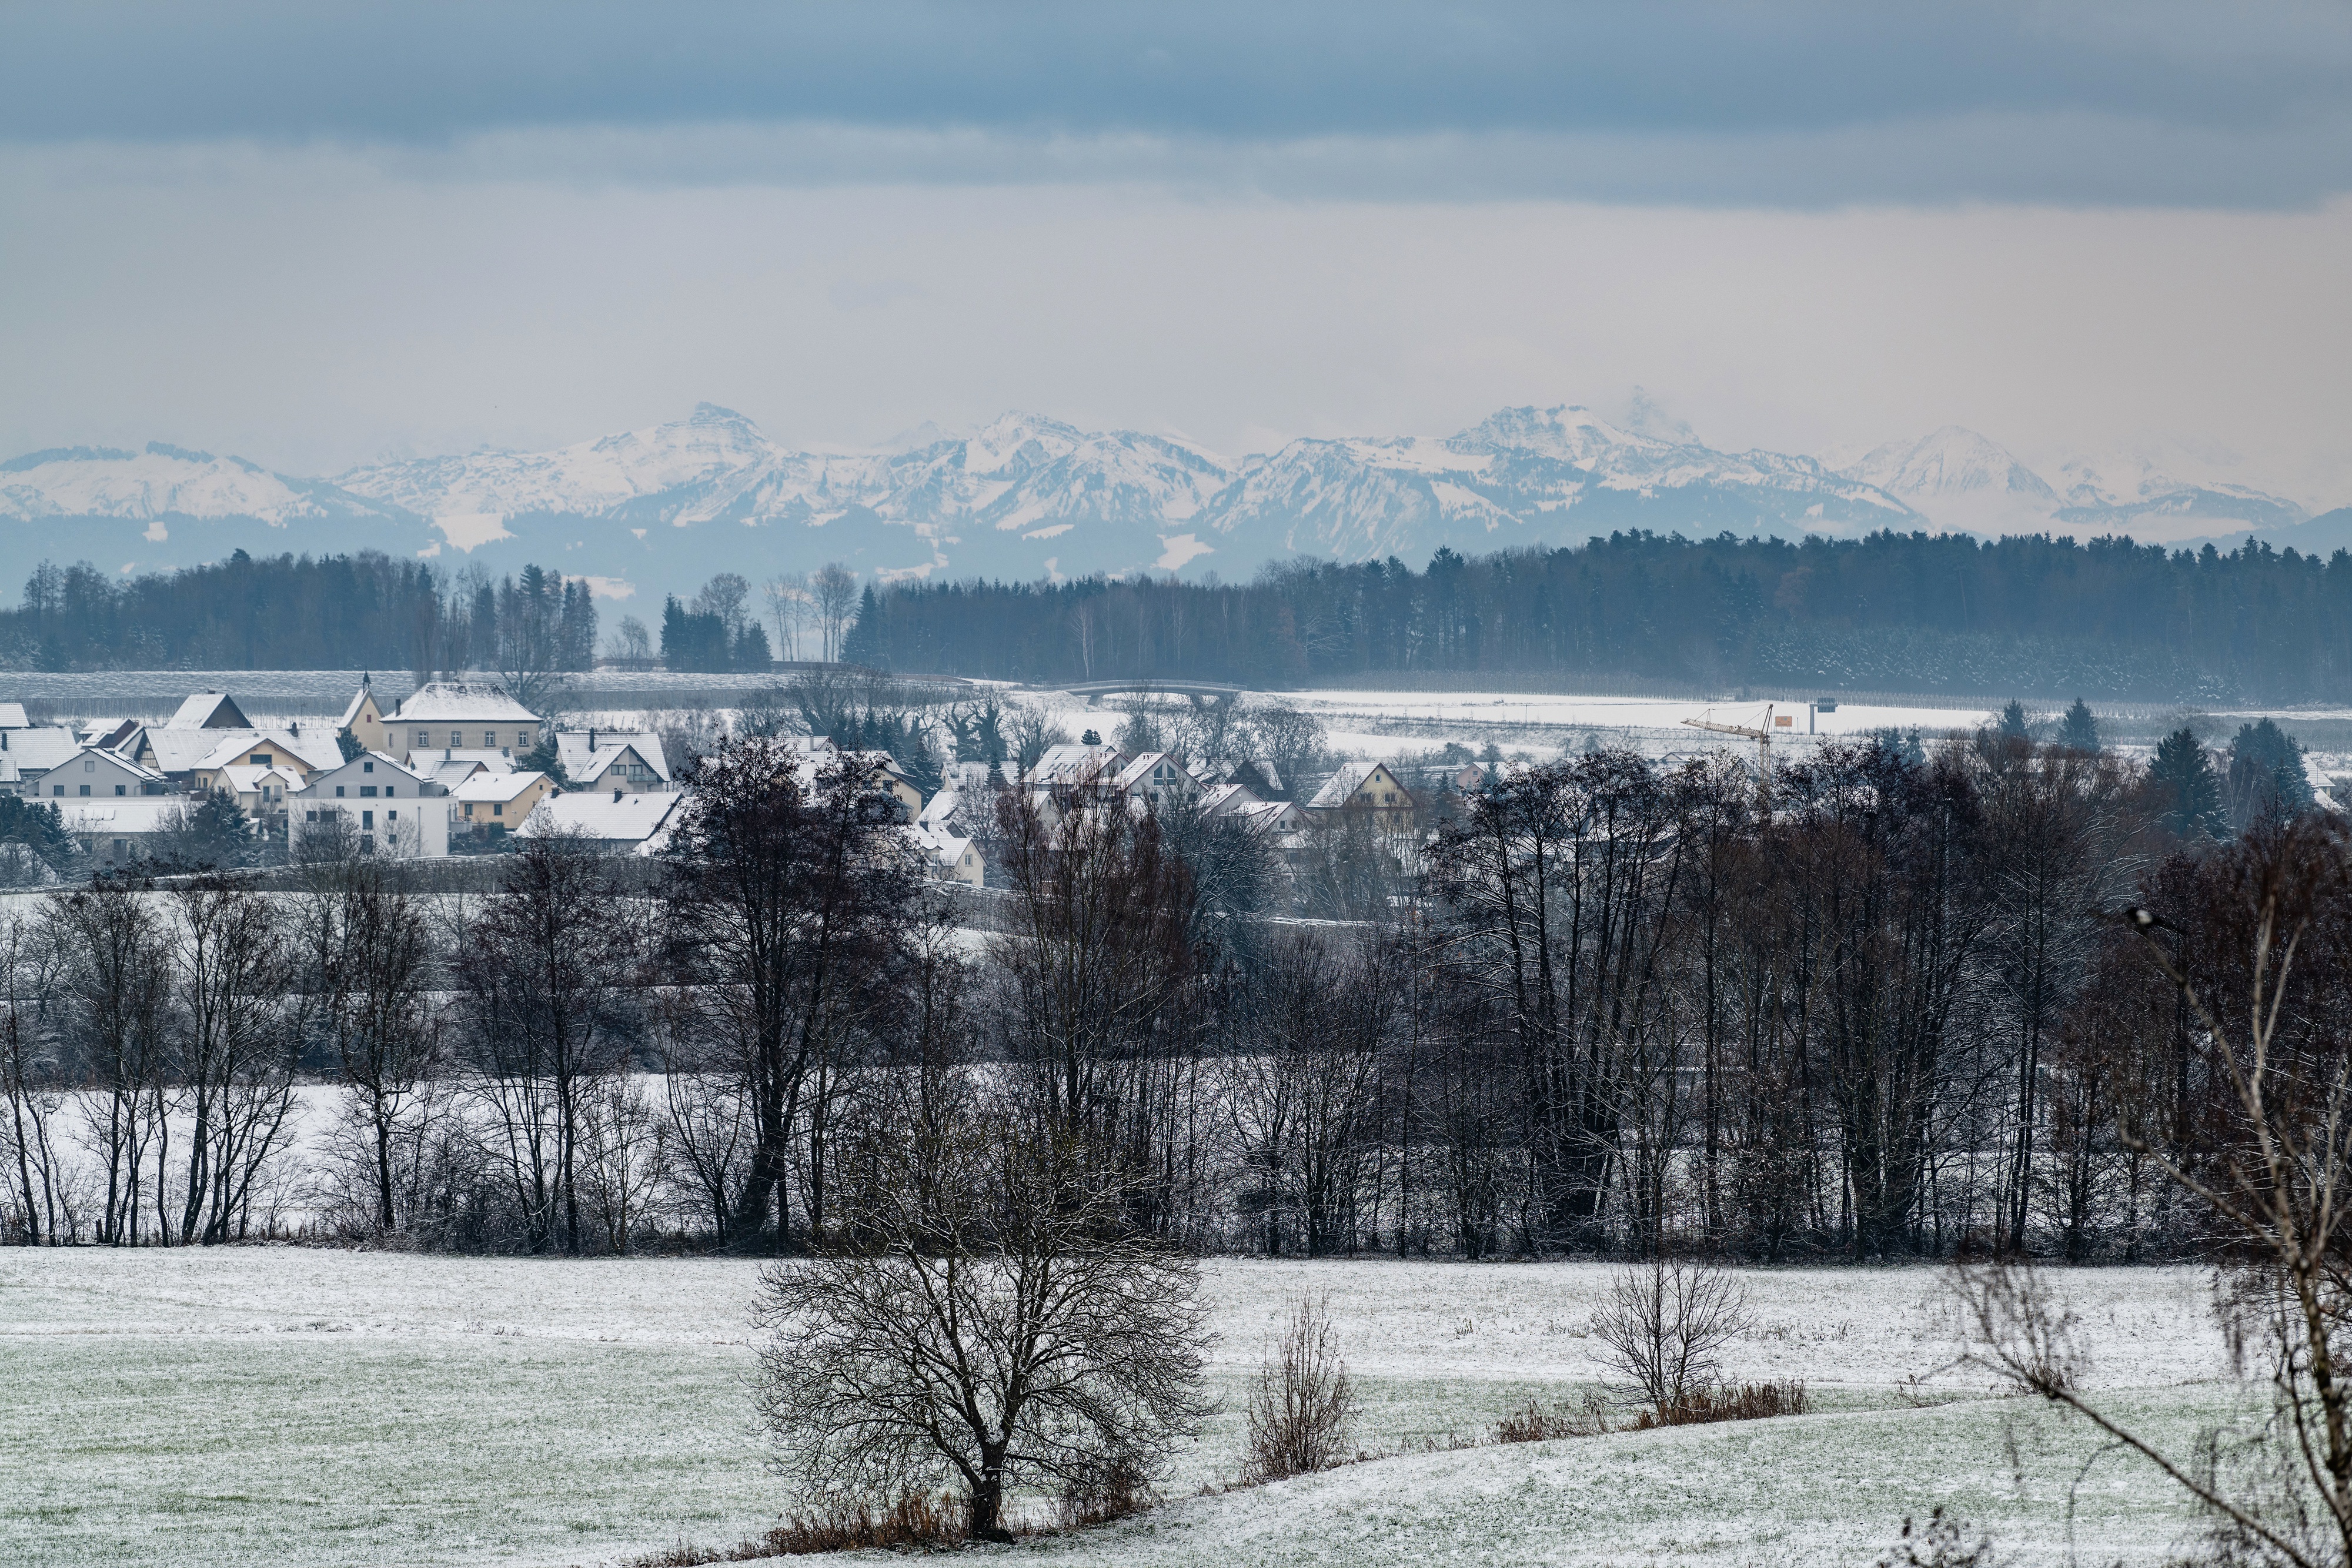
2266, 774
38, 826
866, 641
2014, 722
752, 651
2183, 776
2080, 729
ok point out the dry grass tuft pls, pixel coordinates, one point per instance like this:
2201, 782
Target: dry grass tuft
1536, 1424
1741, 1401
917, 1521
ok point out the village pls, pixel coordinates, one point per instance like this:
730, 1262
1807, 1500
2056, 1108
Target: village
460, 768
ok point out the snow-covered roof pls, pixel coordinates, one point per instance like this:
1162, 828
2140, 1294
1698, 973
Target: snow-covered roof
942, 850
387, 769
1227, 797
39, 750
246, 777
495, 786
208, 710
460, 702
122, 814
12, 716
586, 753
135, 769
425, 759
1074, 767
232, 748
641, 818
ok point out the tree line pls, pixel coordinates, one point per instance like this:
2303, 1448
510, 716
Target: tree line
1872, 1007
292, 613
1892, 611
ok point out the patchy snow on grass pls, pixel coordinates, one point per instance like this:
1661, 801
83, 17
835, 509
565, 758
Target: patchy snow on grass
312, 1407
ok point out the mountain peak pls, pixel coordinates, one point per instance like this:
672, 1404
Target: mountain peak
1955, 465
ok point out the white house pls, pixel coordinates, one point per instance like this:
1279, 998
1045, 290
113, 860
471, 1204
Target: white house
454, 714
117, 832
605, 760
452, 766
387, 809
618, 822
497, 803
95, 773
950, 857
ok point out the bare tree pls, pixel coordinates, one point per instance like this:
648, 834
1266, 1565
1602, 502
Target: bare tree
633, 641
1303, 1410
1664, 1324
789, 601
996, 1323
32, 1087
237, 1038
836, 589
368, 949
2271, 1177
115, 996
546, 982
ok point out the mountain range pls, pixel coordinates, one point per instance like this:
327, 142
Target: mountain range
654, 511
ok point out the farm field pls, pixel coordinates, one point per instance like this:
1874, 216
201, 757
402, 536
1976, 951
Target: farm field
308, 1406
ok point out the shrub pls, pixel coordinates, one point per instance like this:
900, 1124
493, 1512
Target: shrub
1536, 1424
1745, 1402
918, 1520
1304, 1408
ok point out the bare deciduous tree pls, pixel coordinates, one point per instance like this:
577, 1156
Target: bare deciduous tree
369, 950
2271, 1179
996, 1323
835, 587
1665, 1323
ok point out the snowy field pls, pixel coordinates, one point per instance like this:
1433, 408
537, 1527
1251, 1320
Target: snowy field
303, 1406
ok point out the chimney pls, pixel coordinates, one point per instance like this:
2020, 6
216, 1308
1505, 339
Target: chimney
617, 797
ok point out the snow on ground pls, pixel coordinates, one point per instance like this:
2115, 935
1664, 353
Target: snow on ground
310, 1406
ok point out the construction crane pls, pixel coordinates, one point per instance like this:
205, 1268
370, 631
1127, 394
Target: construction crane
1763, 739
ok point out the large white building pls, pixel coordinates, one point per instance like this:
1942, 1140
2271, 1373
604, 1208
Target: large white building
374, 804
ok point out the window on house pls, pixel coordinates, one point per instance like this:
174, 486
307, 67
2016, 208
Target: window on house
85, 788
498, 807
260, 760
121, 848
367, 819
522, 738
489, 737
339, 791
122, 790
423, 737
310, 816
367, 767
390, 788
456, 737
57, 790
89, 765
469, 808
367, 792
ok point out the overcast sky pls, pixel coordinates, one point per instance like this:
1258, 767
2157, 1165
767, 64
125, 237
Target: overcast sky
316, 234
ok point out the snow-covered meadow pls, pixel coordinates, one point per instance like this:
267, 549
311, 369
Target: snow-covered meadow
312, 1406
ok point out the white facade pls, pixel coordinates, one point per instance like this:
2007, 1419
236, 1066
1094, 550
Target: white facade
379, 806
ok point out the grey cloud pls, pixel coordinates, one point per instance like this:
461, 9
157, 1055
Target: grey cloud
1789, 103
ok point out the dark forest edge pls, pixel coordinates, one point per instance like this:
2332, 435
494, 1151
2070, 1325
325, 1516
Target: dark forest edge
1928, 613
2111, 619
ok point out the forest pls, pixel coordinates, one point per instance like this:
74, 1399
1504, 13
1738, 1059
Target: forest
296, 612
1918, 612
1886, 1004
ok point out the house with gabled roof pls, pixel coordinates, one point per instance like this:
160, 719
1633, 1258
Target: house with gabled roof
618, 821
611, 758
457, 713
1366, 787
208, 710
1157, 780
377, 805
93, 772
27, 756
498, 803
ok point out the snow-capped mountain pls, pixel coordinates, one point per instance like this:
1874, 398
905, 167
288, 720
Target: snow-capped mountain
647, 512
165, 482
166, 507
2134, 493
1958, 479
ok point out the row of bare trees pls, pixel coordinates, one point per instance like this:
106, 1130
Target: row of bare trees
1611, 1005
